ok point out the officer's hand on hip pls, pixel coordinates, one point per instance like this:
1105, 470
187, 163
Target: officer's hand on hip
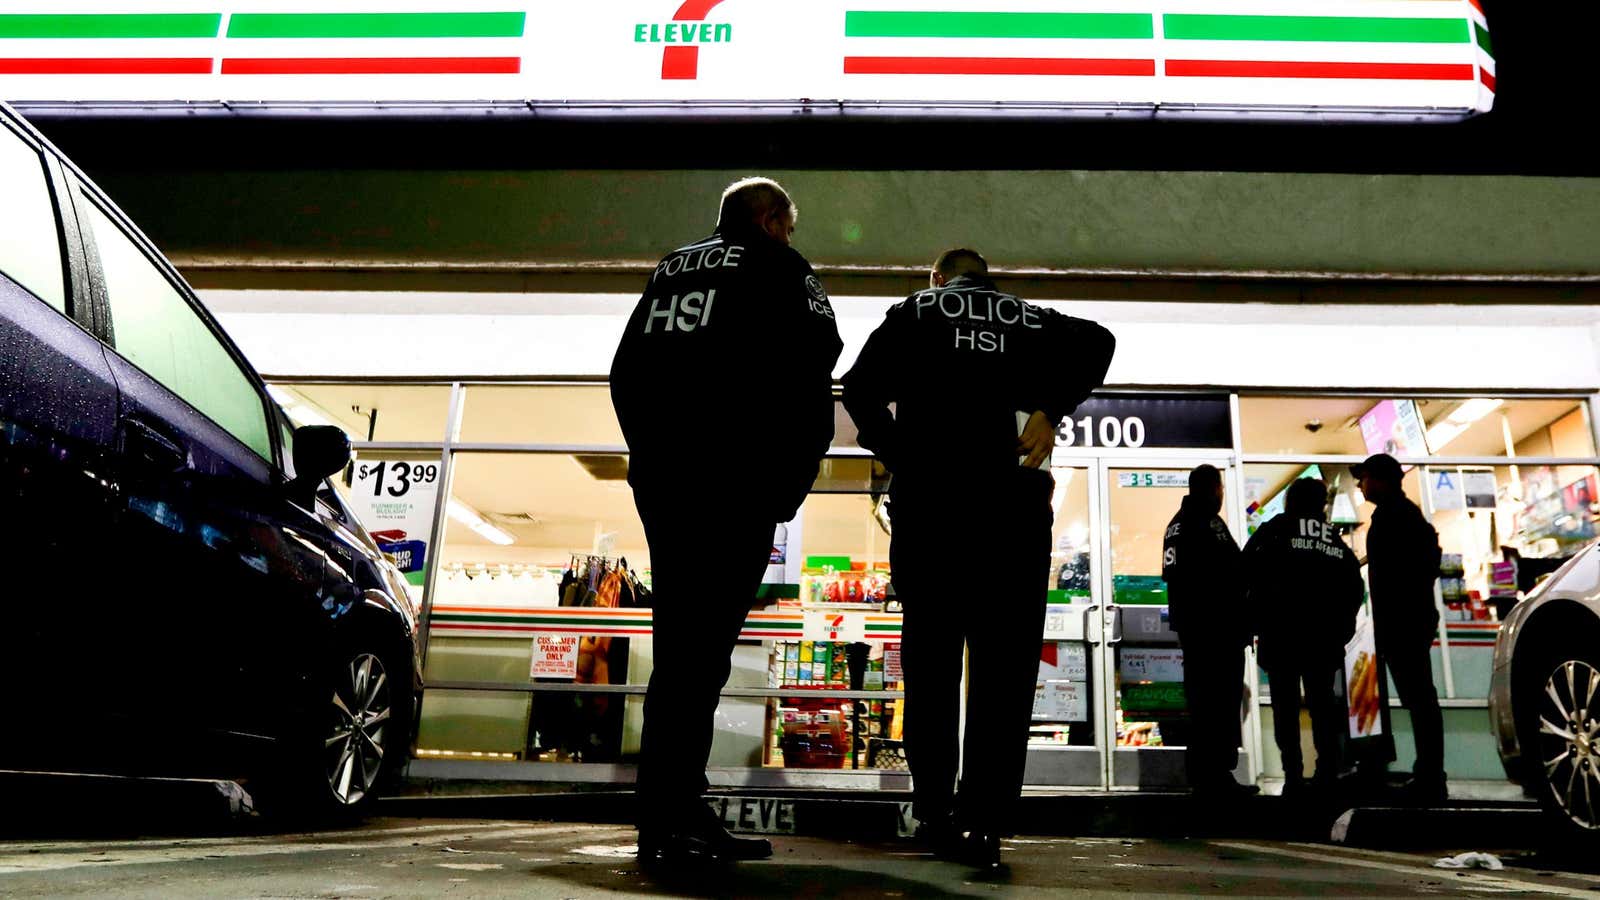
1037, 440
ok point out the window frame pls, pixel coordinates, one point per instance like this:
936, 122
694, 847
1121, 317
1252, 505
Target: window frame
76, 296
82, 191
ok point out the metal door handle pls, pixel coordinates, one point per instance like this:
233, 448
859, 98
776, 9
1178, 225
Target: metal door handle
155, 447
1114, 614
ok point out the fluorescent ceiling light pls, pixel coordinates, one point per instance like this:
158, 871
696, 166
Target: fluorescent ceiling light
469, 517
1459, 419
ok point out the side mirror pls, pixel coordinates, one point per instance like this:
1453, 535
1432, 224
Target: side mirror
319, 451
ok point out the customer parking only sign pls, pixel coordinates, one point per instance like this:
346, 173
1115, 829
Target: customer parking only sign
1331, 59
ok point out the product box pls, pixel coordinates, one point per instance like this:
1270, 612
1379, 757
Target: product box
791, 651
790, 672
819, 671
806, 650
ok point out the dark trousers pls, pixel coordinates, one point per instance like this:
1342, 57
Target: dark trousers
998, 619
1328, 718
1213, 689
1410, 664
706, 561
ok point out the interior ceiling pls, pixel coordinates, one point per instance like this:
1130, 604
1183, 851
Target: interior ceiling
1278, 424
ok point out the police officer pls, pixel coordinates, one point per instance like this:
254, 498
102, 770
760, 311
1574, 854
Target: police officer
1305, 590
723, 386
1205, 605
979, 380
1402, 562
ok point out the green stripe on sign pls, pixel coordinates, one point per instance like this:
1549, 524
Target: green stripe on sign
111, 25
1483, 39
778, 592
375, 25
863, 23
1355, 29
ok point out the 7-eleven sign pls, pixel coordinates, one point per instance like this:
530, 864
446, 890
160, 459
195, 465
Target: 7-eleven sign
680, 59
827, 625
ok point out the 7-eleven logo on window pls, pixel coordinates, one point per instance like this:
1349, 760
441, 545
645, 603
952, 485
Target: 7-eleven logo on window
680, 60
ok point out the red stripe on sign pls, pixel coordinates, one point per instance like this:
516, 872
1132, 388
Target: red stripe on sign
1232, 68
973, 65
680, 63
432, 65
1477, 6
110, 66
1487, 77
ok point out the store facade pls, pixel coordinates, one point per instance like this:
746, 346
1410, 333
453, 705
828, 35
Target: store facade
526, 682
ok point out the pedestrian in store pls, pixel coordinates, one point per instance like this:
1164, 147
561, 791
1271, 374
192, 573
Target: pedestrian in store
723, 386
1200, 563
1305, 591
978, 381
1402, 563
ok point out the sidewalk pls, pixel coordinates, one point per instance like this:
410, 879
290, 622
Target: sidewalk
1375, 822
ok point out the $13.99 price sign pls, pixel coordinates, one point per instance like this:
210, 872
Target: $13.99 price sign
395, 499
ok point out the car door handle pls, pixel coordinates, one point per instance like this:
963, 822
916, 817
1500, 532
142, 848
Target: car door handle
154, 447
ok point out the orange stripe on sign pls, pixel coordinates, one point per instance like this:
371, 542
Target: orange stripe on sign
395, 65
106, 66
983, 65
1233, 68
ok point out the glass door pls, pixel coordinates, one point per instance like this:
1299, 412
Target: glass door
1143, 701
1068, 739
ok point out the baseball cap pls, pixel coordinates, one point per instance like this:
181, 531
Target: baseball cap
1381, 465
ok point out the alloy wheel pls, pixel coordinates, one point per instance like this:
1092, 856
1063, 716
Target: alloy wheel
1569, 741
358, 717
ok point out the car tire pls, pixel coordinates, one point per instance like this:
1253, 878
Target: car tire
1558, 706
349, 745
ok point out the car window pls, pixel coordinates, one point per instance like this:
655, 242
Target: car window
158, 331
30, 245
286, 432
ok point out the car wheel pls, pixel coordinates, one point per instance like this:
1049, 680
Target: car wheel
345, 749
359, 719
1563, 735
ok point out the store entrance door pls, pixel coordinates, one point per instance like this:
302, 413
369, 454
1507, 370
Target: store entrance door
1142, 703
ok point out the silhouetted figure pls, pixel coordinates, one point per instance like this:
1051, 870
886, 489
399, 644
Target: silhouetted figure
1402, 564
723, 386
1305, 590
964, 363
1205, 605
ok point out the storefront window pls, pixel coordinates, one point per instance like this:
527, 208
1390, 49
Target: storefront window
540, 414
369, 412
1413, 427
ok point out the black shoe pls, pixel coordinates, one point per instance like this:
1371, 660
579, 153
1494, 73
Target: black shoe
1224, 789
1425, 790
979, 849
698, 837
939, 837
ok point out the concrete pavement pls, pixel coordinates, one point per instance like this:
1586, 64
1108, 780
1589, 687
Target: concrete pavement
489, 858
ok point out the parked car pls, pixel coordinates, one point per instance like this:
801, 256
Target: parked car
187, 594
1544, 695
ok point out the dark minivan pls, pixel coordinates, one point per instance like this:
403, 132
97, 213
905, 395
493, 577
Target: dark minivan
188, 595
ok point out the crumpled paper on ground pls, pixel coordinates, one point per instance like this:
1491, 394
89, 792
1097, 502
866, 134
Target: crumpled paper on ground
1470, 861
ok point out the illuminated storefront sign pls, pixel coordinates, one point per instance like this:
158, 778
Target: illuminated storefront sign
1339, 59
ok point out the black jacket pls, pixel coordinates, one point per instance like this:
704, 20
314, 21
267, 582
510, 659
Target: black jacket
723, 381
1402, 563
958, 363
1305, 590
1205, 581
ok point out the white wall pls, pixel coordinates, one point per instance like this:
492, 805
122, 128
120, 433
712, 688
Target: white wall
1266, 345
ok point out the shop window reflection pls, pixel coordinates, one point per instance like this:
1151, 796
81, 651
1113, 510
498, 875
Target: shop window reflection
565, 414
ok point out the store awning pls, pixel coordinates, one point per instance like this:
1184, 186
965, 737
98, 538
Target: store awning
1339, 60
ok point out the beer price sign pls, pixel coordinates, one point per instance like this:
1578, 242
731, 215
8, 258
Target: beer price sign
1219, 58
